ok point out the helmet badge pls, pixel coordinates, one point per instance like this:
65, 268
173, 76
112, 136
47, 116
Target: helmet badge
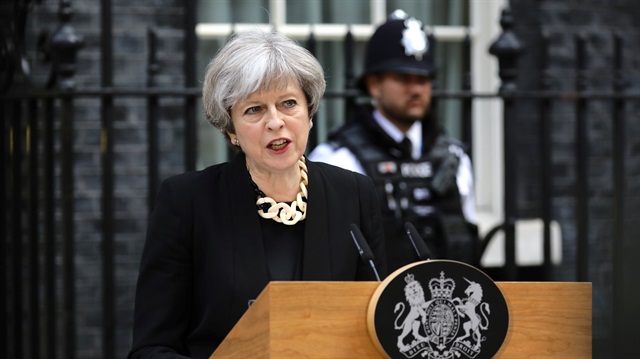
414, 39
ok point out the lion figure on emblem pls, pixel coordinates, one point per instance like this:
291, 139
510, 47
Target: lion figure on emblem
417, 315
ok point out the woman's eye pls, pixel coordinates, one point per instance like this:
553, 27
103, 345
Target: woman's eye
252, 110
290, 103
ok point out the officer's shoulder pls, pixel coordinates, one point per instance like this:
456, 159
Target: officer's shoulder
332, 172
346, 128
451, 142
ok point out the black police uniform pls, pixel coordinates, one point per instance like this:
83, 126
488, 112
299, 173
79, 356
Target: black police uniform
423, 191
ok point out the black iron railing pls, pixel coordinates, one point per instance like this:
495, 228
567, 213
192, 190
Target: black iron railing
35, 119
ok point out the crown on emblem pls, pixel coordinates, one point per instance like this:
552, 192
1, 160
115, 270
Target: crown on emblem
409, 278
441, 288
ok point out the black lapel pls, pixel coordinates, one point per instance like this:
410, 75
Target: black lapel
316, 264
251, 262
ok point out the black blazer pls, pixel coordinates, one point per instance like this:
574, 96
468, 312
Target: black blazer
204, 258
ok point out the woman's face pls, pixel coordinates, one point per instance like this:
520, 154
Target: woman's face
272, 127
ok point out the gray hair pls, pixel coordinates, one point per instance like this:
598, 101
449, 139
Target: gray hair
257, 60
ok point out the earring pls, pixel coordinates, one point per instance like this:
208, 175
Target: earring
235, 142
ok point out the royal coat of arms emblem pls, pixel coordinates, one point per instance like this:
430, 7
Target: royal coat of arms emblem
451, 319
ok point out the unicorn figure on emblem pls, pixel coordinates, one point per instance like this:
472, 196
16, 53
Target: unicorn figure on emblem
467, 308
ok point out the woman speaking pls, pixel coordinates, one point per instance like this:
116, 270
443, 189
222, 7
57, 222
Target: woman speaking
216, 237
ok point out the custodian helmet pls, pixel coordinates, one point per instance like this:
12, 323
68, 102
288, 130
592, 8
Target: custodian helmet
399, 45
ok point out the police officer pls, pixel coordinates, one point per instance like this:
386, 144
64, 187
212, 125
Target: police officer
422, 175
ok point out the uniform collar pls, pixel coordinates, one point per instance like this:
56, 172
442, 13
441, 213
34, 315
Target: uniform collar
414, 133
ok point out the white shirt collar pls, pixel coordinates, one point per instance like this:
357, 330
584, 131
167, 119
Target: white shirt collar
414, 133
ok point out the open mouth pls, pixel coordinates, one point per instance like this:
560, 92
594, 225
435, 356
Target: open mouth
278, 145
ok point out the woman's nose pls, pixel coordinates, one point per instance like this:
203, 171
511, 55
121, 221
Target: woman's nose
274, 120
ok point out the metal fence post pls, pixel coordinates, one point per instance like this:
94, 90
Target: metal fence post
107, 160
582, 163
152, 119
190, 101
65, 44
545, 157
507, 48
622, 327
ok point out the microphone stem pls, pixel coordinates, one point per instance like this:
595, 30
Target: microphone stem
373, 266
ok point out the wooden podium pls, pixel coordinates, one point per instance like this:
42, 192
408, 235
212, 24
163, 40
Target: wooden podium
329, 320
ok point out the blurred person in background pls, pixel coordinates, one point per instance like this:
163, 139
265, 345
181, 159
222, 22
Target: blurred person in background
422, 175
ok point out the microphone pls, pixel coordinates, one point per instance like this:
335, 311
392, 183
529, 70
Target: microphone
363, 248
417, 241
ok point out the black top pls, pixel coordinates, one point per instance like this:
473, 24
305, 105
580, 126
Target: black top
283, 248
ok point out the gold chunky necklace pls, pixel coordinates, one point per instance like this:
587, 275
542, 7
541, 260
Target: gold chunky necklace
283, 212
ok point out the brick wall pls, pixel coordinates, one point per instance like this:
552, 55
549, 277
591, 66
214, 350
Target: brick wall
597, 22
131, 21
560, 19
